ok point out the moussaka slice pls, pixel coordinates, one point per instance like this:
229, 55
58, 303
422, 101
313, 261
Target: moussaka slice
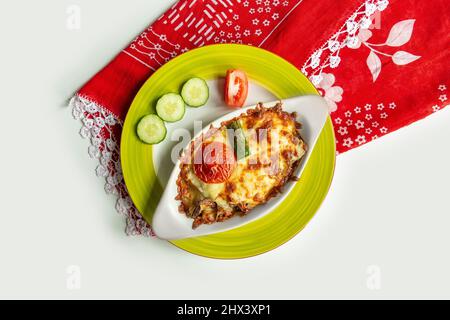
245, 162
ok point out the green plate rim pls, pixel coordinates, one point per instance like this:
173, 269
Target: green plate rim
327, 127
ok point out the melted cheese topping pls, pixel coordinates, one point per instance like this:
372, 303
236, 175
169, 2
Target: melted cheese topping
275, 150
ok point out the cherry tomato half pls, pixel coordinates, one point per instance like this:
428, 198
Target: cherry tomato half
236, 88
214, 162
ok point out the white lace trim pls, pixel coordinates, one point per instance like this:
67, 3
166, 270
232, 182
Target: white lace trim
99, 125
328, 54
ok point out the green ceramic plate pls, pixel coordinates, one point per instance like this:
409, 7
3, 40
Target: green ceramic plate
277, 76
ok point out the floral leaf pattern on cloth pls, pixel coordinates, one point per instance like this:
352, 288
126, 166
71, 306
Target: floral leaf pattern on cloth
374, 64
400, 33
329, 91
347, 36
402, 57
372, 61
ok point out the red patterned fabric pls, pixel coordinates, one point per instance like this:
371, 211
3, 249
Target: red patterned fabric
380, 64
381, 78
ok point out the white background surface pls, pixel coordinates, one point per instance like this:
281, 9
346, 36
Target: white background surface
389, 203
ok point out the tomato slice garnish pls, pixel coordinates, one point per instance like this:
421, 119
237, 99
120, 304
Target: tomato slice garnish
236, 88
214, 162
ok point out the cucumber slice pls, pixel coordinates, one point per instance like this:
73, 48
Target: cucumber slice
151, 129
195, 92
170, 107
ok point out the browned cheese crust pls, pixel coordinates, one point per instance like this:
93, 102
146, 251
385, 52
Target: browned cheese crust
256, 180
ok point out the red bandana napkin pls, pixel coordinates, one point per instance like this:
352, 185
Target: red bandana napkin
380, 64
